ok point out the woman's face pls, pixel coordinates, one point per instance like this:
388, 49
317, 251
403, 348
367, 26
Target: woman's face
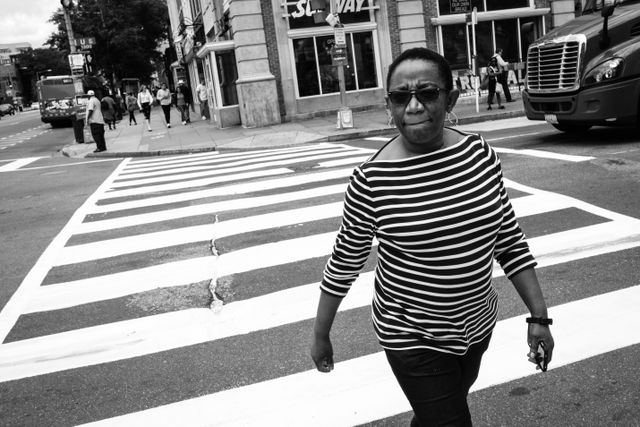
420, 123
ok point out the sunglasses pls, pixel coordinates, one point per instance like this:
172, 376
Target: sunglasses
424, 95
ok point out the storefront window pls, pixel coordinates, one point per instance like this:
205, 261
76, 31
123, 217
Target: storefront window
227, 74
454, 38
316, 74
505, 30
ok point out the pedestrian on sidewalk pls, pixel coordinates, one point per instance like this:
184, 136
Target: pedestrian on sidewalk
503, 75
201, 91
132, 104
493, 71
144, 103
164, 97
183, 101
108, 108
435, 200
95, 121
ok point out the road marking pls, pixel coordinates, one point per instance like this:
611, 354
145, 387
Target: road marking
234, 189
231, 168
193, 183
363, 389
212, 162
16, 164
32, 281
68, 164
544, 154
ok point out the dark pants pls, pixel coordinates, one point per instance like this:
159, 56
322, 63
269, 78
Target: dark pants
492, 91
204, 109
166, 109
132, 116
97, 132
146, 110
436, 384
184, 113
502, 79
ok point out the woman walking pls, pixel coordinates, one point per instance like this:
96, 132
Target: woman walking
144, 102
183, 101
494, 72
164, 97
435, 200
132, 104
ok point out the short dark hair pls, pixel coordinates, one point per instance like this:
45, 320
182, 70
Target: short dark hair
424, 54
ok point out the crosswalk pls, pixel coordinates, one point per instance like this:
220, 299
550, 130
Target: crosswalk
22, 136
251, 231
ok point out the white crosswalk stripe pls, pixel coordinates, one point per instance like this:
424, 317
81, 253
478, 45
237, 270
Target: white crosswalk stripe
22, 136
288, 217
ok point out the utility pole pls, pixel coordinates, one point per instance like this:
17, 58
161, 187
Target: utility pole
345, 115
67, 5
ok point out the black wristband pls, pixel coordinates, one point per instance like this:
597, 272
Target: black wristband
540, 320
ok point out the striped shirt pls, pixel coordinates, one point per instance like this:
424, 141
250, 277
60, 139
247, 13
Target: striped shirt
440, 218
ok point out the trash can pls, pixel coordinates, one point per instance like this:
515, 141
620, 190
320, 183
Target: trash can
78, 129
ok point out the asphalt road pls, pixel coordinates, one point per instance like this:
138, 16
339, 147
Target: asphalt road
106, 288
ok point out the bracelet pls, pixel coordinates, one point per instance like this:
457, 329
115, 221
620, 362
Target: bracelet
540, 320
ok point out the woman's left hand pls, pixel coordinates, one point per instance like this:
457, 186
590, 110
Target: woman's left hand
536, 334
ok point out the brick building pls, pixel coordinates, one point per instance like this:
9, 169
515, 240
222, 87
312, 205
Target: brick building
269, 61
10, 83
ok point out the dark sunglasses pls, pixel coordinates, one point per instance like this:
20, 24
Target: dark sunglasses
424, 95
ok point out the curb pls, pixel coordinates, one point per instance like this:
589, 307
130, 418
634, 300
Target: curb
66, 150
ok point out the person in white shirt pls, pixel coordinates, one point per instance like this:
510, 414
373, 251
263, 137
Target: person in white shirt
201, 91
95, 121
504, 73
164, 97
144, 102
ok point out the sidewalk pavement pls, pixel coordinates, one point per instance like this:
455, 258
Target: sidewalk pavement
199, 135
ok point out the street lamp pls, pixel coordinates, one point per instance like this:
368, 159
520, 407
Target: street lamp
48, 70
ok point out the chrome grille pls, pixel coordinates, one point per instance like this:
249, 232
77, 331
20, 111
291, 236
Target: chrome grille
554, 67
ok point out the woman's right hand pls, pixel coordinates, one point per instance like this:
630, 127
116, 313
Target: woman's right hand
322, 354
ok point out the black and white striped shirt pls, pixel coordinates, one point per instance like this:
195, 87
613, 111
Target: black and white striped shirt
440, 218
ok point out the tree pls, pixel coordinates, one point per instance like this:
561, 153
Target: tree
127, 32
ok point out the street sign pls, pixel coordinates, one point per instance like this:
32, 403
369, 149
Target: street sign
340, 37
460, 6
339, 56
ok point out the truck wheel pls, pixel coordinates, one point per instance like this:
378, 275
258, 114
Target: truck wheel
572, 128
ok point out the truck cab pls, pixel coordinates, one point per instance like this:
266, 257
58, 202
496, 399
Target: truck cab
587, 71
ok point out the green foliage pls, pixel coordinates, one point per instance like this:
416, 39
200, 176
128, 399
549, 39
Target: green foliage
127, 32
38, 60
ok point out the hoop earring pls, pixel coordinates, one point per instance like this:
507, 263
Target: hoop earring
453, 122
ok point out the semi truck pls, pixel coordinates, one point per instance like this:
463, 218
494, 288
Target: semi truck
587, 72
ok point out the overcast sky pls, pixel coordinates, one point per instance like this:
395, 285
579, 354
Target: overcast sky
26, 21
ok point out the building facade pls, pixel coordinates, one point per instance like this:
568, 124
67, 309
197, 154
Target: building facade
269, 61
10, 82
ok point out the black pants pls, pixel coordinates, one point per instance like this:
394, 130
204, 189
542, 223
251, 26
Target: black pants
503, 80
146, 110
97, 132
132, 117
166, 109
436, 384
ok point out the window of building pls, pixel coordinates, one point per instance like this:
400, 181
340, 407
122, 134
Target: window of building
316, 74
451, 7
227, 75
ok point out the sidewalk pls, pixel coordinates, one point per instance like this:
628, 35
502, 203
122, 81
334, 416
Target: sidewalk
132, 141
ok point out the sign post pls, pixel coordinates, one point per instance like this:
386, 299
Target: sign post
339, 59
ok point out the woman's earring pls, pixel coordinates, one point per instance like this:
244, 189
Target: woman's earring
453, 122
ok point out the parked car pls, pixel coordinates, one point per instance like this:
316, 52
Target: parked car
7, 109
35, 105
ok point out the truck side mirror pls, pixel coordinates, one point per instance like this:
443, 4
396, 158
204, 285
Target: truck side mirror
607, 10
